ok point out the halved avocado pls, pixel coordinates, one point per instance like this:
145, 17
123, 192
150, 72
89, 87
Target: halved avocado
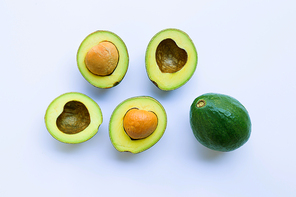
121, 140
171, 59
100, 51
73, 118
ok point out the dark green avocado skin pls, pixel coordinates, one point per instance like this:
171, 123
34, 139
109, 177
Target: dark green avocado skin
222, 124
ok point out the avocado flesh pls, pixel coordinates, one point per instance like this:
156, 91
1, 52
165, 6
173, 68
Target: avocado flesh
171, 59
118, 74
220, 122
73, 118
119, 138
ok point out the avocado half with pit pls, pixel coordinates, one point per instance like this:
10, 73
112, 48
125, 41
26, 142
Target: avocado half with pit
220, 122
171, 59
102, 59
137, 124
73, 118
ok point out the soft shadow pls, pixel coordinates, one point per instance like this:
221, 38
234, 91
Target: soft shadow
126, 156
96, 92
64, 147
208, 154
156, 91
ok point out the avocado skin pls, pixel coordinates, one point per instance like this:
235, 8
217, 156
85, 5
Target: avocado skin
223, 124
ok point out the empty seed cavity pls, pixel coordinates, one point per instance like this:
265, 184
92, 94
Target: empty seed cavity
74, 118
169, 57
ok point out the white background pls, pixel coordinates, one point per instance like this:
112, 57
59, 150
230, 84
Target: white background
246, 49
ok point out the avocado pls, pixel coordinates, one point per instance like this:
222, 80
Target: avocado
102, 59
220, 122
171, 59
73, 118
137, 124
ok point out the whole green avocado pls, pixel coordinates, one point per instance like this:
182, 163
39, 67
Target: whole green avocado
220, 122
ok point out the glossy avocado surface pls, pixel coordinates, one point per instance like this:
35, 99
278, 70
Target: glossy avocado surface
220, 122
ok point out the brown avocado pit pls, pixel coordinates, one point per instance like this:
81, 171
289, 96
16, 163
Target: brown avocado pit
139, 124
130, 111
102, 59
169, 57
74, 118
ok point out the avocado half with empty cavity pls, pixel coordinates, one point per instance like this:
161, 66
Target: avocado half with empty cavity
73, 118
102, 59
171, 59
137, 124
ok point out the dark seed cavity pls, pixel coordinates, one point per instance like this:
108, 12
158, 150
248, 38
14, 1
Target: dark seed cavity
169, 57
74, 118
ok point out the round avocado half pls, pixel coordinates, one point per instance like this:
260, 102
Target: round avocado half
93, 40
73, 118
121, 140
171, 59
220, 122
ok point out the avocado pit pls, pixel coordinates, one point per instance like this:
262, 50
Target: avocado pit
169, 57
102, 59
139, 124
74, 118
